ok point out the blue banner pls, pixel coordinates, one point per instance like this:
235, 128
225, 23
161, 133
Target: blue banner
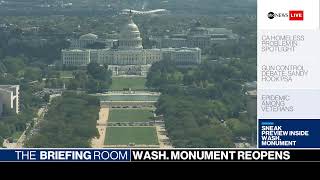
109, 155
289, 133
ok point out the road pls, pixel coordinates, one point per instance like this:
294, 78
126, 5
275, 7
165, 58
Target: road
20, 142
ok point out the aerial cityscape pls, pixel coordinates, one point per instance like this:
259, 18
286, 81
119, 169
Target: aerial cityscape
128, 73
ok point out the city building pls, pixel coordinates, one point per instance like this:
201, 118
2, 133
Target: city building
83, 41
76, 57
9, 97
182, 56
196, 36
89, 40
126, 56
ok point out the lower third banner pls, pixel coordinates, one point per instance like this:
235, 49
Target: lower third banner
157, 155
108, 155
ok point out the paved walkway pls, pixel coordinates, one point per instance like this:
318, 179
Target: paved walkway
20, 141
162, 138
102, 127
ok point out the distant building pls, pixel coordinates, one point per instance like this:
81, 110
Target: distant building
197, 36
182, 56
76, 57
86, 40
249, 86
126, 56
83, 41
9, 97
30, 29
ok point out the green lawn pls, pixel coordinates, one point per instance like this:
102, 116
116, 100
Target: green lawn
135, 83
130, 115
127, 135
66, 74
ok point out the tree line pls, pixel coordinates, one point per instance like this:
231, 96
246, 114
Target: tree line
12, 123
69, 123
202, 106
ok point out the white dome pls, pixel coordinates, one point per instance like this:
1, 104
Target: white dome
130, 36
89, 36
131, 27
130, 30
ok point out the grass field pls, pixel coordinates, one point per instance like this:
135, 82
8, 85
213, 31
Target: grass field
130, 115
66, 74
135, 83
127, 135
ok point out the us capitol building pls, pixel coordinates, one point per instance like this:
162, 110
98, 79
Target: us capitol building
126, 55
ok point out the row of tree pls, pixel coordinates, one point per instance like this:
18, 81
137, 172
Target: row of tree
37, 50
19, 69
12, 123
69, 123
201, 106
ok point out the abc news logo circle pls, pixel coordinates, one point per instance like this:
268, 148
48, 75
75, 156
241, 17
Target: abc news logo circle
292, 15
271, 15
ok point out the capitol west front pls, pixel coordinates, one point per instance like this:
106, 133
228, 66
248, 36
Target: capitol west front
128, 57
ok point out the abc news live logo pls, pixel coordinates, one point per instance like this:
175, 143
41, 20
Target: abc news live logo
294, 15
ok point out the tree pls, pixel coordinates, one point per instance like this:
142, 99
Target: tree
69, 123
46, 97
14, 64
1, 142
32, 74
98, 72
239, 128
99, 78
81, 78
4, 130
197, 103
93, 86
73, 84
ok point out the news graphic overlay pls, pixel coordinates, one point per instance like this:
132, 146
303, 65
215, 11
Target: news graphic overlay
288, 60
61, 155
289, 132
156, 155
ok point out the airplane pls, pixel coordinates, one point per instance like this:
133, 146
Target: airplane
151, 12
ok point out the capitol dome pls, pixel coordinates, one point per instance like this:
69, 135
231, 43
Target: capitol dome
130, 36
89, 36
130, 28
